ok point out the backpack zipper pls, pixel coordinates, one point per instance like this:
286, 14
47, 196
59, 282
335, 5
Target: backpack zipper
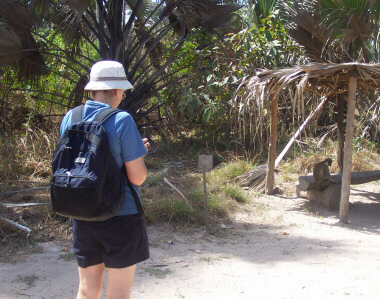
70, 176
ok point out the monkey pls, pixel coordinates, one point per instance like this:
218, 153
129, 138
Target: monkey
321, 173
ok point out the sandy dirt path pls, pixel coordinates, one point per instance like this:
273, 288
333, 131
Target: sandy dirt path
286, 248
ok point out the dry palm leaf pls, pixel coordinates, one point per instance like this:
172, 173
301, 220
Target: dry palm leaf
15, 16
79, 6
188, 14
10, 47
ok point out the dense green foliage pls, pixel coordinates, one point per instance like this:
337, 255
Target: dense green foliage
185, 71
204, 99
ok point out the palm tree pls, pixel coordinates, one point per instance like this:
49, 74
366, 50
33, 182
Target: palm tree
264, 8
145, 36
336, 31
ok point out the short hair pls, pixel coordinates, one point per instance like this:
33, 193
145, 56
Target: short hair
108, 92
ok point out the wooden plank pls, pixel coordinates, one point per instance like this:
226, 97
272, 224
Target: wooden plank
307, 182
347, 164
272, 146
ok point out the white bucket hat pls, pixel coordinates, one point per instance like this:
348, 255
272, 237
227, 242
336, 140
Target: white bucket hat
107, 75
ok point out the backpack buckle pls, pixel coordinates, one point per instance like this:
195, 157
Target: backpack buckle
69, 175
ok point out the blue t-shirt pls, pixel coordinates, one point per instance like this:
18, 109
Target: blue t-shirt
125, 142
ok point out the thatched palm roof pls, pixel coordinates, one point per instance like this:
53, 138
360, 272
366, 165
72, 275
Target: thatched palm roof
325, 79
322, 78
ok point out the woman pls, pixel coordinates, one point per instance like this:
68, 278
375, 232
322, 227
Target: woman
119, 243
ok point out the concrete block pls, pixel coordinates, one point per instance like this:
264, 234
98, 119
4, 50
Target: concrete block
329, 197
298, 190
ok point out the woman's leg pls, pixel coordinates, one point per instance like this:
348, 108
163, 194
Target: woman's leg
119, 282
91, 282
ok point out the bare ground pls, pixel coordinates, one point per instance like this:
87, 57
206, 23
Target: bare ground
276, 247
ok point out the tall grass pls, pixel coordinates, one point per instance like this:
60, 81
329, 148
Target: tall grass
223, 195
28, 154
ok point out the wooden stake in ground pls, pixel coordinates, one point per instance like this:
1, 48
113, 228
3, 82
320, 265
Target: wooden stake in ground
272, 146
205, 202
205, 162
347, 167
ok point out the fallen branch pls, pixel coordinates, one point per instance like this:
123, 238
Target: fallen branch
26, 204
373, 118
298, 132
323, 138
24, 190
16, 225
179, 192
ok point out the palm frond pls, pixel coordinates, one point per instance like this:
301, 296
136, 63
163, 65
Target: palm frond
358, 28
15, 16
307, 29
348, 20
21, 52
324, 79
264, 7
144, 43
335, 31
79, 6
188, 14
10, 47
38, 8
21, 49
144, 8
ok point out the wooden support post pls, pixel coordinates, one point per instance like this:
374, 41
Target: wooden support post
340, 125
347, 165
272, 146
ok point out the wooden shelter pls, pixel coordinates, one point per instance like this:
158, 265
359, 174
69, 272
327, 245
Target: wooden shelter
326, 80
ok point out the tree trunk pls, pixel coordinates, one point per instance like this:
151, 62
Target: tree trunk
346, 177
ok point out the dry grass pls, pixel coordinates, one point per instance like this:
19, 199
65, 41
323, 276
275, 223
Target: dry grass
223, 195
28, 166
28, 155
26, 163
45, 225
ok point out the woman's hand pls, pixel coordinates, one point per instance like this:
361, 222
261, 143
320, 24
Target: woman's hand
146, 143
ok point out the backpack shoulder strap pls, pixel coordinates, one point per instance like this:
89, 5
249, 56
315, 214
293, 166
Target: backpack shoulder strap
103, 115
77, 114
135, 197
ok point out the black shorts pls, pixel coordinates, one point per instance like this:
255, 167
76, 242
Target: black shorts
118, 242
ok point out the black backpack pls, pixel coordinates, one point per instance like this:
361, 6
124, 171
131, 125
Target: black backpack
87, 183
